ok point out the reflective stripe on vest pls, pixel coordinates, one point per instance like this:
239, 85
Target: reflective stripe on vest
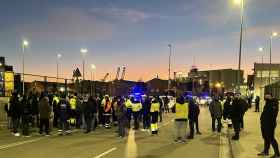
182, 111
73, 103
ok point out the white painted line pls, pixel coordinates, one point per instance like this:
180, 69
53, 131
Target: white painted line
106, 152
19, 143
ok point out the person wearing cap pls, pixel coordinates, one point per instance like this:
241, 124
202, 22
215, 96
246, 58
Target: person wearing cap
268, 125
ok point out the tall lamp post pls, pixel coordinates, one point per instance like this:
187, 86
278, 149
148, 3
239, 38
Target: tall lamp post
273, 34
25, 44
241, 3
57, 67
93, 68
169, 67
261, 49
83, 52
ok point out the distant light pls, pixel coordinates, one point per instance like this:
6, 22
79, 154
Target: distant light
274, 34
61, 89
84, 51
238, 2
25, 43
261, 49
218, 85
93, 67
59, 56
1, 64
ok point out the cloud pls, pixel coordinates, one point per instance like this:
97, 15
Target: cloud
129, 15
68, 24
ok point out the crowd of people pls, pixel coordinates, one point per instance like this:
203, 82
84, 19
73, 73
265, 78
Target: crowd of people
66, 113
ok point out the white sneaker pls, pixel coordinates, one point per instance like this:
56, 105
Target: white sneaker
17, 134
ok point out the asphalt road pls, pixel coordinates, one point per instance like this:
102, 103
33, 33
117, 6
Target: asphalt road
104, 144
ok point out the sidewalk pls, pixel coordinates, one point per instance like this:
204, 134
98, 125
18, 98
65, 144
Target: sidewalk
251, 142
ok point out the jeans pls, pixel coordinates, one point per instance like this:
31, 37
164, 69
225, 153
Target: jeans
136, 120
121, 130
15, 124
146, 121
25, 125
269, 139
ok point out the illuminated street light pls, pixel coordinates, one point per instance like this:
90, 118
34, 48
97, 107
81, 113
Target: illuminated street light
84, 51
59, 56
25, 44
169, 67
261, 49
241, 3
273, 34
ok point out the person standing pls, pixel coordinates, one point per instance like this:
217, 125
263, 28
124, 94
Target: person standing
64, 113
146, 113
268, 125
237, 115
15, 112
44, 113
90, 110
215, 109
257, 104
154, 111
122, 117
128, 104
193, 118
107, 111
136, 109
227, 111
26, 116
181, 118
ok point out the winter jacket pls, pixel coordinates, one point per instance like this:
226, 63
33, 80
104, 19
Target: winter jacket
215, 108
44, 108
269, 114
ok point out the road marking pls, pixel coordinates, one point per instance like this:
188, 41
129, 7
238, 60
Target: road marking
2, 147
106, 152
19, 143
131, 146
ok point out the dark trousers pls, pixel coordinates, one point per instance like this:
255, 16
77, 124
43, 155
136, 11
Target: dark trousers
25, 125
269, 139
191, 124
121, 125
257, 107
55, 120
129, 112
214, 124
136, 120
146, 121
44, 122
242, 122
236, 125
90, 122
196, 124
15, 124
160, 115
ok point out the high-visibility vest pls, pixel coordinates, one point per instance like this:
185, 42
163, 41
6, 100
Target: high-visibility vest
128, 104
182, 111
136, 107
155, 107
73, 103
55, 99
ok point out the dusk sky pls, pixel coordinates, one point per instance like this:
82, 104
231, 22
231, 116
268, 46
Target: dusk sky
135, 33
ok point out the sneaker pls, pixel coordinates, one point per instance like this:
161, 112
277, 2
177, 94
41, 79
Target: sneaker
17, 134
60, 130
198, 133
47, 135
263, 154
27, 136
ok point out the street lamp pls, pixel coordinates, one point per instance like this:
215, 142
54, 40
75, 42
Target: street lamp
273, 34
169, 67
93, 68
261, 49
25, 44
83, 51
241, 3
57, 67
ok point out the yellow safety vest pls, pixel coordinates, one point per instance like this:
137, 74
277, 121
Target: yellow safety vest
73, 103
136, 107
128, 104
182, 111
155, 107
55, 99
